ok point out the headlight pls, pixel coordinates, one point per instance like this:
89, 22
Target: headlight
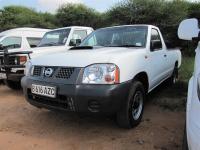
22, 60
28, 69
101, 74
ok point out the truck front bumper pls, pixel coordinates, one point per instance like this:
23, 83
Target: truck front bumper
13, 76
105, 99
10, 66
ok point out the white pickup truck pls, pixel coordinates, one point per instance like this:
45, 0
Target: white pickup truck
54, 41
110, 73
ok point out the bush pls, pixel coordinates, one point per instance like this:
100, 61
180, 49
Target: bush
17, 16
78, 14
165, 14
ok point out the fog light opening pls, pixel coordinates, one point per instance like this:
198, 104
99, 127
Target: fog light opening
94, 106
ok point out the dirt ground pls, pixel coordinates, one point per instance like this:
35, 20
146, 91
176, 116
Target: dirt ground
23, 127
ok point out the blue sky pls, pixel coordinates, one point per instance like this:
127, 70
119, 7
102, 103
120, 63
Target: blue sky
52, 5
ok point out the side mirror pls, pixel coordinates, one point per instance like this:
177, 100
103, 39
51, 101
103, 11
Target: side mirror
75, 42
155, 45
188, 29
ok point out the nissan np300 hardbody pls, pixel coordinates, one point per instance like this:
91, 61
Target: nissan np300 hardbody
109, 73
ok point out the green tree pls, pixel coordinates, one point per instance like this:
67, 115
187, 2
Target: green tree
18, 16
194, 10
78, 14
165, 14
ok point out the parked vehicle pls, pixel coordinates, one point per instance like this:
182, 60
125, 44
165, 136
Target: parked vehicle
20, 39
189, 30
109, 73
55, 41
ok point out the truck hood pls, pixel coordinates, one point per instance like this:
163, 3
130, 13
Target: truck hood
42, 50
83, 58
47, 50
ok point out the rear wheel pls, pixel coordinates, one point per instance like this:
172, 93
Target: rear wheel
13, 84
174, 78
132, 111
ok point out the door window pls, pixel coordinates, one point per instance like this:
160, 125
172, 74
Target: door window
33, 42
12, 42
79, 34
156, 43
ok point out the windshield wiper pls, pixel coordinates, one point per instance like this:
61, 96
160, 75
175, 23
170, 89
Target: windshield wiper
81, 48
123, 46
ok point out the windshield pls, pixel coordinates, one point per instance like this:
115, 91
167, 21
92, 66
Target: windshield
126, 36
55, 38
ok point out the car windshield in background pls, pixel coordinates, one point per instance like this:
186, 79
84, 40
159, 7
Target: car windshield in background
125, 36
55, 38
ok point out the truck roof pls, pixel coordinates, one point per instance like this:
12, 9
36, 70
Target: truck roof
81, 27
131, 25
24, 31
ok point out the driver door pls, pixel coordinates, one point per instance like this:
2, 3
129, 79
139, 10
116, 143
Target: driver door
157, 59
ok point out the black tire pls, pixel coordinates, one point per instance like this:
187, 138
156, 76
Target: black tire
1, 82
126, 118
13, 84
185, 143
173, 79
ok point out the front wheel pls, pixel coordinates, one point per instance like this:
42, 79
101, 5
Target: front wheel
13, 84
132, 110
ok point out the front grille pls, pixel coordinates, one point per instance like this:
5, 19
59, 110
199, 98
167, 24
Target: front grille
37, 71
65, 73
13, 60
61, 102
60, 73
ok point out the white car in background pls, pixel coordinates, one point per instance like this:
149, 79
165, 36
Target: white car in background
20, 39
54, 41
189, 30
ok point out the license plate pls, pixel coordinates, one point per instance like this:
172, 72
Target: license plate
3, 76
47, 91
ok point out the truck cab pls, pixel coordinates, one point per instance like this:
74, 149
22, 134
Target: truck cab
20, 39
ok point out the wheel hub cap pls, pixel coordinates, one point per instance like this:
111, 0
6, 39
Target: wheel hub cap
137, 105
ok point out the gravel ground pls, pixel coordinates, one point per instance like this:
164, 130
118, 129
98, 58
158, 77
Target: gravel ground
23, 127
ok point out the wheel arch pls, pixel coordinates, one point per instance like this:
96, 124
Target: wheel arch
143, 77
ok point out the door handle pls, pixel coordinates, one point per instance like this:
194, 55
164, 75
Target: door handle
165, 55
